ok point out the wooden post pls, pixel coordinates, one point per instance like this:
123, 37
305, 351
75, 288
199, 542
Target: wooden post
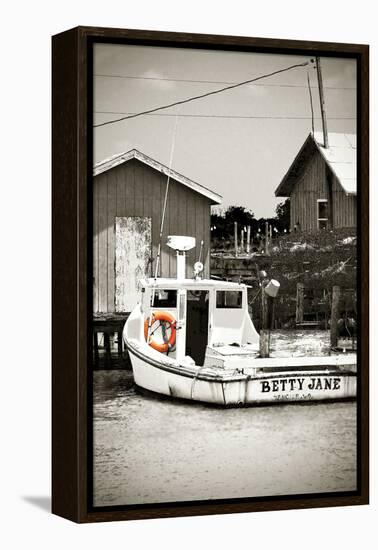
249, 239
236, 237
95, 345
272, 303
300, 300
264, 343
119, 341
242, 240
334, 315
264, 309
321, 99
267, 238
107, 346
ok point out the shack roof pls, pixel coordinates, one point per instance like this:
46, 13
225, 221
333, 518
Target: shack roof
340, 156
116, 160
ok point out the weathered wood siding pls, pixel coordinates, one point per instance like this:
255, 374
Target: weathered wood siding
134, 189
344, 207
311, 186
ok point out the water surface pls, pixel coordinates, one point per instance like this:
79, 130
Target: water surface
154, 450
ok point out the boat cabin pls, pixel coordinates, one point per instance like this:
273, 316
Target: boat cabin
208, 313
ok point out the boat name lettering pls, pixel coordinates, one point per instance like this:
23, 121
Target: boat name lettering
300, 384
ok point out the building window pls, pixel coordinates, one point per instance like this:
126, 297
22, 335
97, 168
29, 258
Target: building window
322, 213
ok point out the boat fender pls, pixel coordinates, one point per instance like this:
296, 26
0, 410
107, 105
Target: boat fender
163, 347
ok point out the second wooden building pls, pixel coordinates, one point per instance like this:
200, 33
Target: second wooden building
322, 184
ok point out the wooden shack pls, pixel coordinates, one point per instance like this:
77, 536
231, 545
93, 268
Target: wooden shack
128, 198
322, 184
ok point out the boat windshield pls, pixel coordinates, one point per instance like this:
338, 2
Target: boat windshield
165, 298
229, 299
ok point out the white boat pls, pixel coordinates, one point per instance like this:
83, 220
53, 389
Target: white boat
194, 339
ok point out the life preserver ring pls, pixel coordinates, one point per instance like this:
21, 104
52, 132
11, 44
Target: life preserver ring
163, 347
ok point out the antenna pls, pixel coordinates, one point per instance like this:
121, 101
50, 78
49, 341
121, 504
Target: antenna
165, 206
152, 301
322, 104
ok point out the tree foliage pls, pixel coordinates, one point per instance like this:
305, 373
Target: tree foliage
222, 223
283, 215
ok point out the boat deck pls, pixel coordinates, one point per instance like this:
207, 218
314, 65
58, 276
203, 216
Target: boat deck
283, 344
302, 349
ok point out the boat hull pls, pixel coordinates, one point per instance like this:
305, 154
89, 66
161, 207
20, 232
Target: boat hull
287, 386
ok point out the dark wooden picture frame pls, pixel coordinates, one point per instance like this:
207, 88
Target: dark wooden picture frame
72, 287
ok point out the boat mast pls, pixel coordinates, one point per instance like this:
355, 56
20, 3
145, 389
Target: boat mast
157, 265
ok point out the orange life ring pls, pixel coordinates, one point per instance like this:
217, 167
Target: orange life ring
163, 347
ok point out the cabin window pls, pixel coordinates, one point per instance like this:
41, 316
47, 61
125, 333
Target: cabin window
322, 214
229, 299
165, 298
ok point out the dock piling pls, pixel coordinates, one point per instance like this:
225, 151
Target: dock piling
264, 343
264, 309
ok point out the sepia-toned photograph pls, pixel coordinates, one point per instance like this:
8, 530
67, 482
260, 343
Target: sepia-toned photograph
225, 275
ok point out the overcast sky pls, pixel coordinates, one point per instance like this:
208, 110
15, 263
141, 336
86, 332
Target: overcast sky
243, 159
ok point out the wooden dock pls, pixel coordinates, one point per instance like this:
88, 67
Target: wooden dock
108, 347
282, 343
302, 343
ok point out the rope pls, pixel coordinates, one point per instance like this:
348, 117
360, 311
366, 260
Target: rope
255, 296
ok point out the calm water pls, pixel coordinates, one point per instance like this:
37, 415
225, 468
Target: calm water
150, 450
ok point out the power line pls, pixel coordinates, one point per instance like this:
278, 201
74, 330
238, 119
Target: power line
149, 111
155, 78
223, 116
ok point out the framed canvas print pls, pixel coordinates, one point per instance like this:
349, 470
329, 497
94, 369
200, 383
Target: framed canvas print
210, 274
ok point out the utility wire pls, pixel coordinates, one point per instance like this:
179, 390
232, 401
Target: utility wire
221, 116
231, 87
155, 78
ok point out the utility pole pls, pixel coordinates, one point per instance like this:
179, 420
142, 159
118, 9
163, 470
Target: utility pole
322, 107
